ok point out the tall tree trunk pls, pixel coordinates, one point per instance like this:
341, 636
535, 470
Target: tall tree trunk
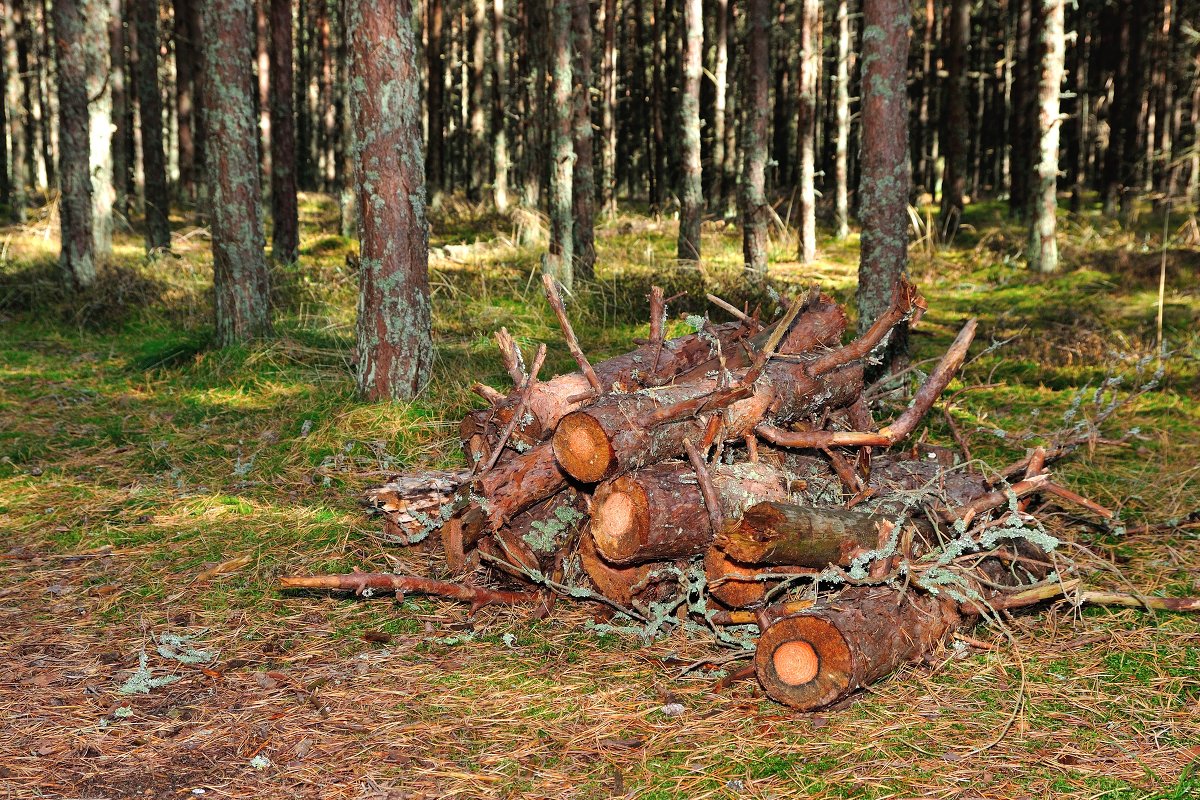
807, 130
285, 235
1020, 138
262, 63
185, 93
17, 121
1129, 111
118, 84
954, 179
327, 110
885, 179
100, 110
1080, 109
395, 344
608, 109
717, 194
755, 211
841, 204
435, 81
45, 80
560, 260
583, 182
240, 279
24, 158
348, 199
500, 161
77, 258
925, 142
691, 192
1043, 248
658, 186
154, 166
5, 180
476, 110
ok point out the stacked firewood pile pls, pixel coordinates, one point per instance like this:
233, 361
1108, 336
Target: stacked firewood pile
733, 479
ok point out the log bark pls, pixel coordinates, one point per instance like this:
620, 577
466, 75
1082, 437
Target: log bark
361, 582
614, 582
657, 514
816, 658
624, 432
783, 533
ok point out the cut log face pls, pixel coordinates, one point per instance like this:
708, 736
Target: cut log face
733, 584
817, 657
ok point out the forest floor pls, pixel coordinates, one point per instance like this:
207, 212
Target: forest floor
152, 489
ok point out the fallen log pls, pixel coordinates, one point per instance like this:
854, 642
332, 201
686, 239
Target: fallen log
817, 657
783, 533
658, 514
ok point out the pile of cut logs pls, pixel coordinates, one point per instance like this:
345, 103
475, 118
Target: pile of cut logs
740, 462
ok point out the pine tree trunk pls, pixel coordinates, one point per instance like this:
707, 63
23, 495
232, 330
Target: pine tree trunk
841, 203
5, 181
691, 192
583, 182
500, 163
807, 130
285, 235
96, 21
560, 260
608, 110
325, 106
45, 79
954, 179
925, 140
395, 346
154, 167
262, 74
118, 83
75, 64
185, 92
347, 199
18, 118
755, 211
717, 193
240, 279
24, 151
1043, 247
1129, 110
1020, 138
478, 176
884, 182
435, 174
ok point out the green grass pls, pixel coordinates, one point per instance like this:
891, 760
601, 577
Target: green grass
121, 426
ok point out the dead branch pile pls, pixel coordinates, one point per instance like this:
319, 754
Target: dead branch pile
733, 480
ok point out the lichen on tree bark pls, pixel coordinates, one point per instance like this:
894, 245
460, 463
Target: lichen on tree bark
395, 346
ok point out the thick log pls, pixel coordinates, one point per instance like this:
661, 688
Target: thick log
614, 582
817, 657
805, 536
623, 432
658, 514
742, 585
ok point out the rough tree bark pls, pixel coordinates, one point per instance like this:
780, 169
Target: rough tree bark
118, 83
5, 182
285, 236
154, 164
807, 130
608, 110
717, 194
19, 120
841, 204
755, 211
560, 260
477, 111
885, 178
262, 71
395, 345
954, 130
77, 63
240, 279
1043, 247
96, 20
691, 192
583, 182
